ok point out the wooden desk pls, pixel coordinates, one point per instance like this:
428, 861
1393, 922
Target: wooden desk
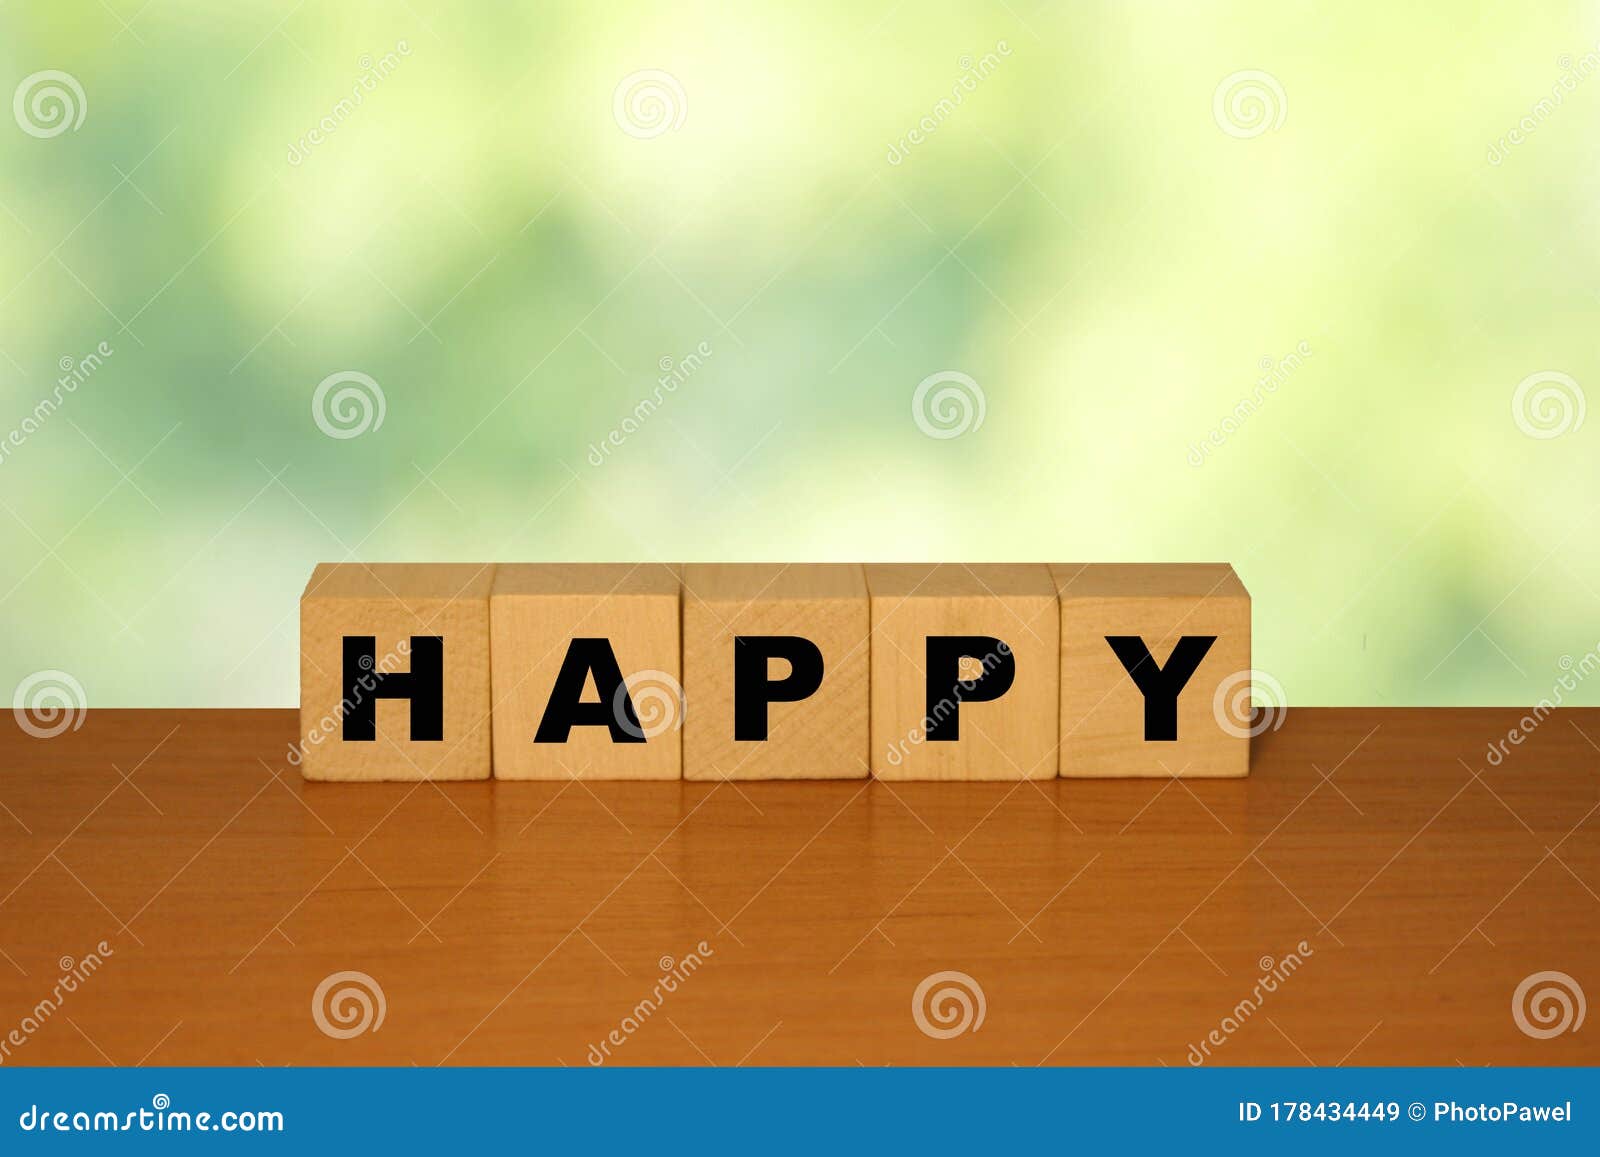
521, 923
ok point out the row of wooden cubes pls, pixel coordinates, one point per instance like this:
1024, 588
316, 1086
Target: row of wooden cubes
768, 671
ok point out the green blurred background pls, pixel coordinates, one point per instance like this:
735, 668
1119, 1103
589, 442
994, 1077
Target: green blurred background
521, 217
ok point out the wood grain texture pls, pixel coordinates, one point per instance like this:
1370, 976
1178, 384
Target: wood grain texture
394, 603
1106, 921
536, 610
823, 736
1103, 710
1012, 737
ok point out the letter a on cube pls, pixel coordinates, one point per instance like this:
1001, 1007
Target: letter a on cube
587, 680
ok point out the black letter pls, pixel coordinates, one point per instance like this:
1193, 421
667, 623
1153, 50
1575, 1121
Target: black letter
1161, 686
946, 689
753, 691
364, 685
566, 709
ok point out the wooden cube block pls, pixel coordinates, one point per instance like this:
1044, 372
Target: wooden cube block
587, 681
394, 671
965, 671
775, 662
1153, 658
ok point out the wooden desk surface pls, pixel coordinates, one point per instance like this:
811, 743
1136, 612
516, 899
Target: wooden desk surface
521, 923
